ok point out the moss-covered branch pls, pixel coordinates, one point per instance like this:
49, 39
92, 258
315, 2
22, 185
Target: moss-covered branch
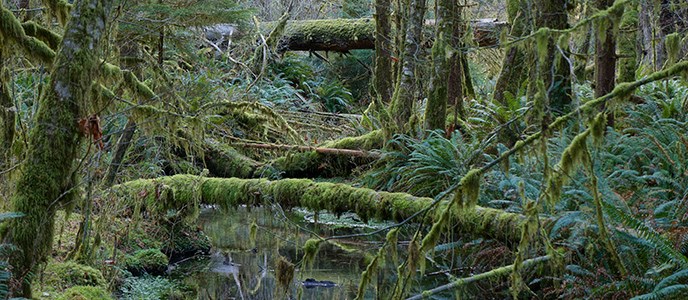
12, 32
180, 192
499, 272
314, 164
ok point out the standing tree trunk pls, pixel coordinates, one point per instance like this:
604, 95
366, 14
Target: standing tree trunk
514, 68
47, 177
383, 51
628, 58
402, 101
554, 70
436, 109
6, 113
605, 57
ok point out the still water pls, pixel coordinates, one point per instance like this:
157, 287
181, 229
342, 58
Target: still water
241, 267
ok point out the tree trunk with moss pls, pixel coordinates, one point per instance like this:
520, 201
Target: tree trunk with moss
383, 51
605, 57
456, 84
7, 112
554, 70
514, 67
628, 30
183, 193
436, 109
47, 178
404, 92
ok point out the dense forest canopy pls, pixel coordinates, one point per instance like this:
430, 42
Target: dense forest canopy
447, 149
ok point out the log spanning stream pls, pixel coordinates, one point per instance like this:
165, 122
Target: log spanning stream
242, 268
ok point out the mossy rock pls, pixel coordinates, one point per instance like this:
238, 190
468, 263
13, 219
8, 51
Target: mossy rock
150, 261
85, 292
60, 276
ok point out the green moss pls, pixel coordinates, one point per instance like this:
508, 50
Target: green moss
470, 187
149, 261
367, 203
284, 272
11, 31
60, 276
310, 250
85, 293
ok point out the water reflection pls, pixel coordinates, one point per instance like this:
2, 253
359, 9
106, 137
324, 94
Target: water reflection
241, 267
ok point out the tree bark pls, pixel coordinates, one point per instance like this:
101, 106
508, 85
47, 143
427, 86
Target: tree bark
7, 113
47, 177
514, 68
383, 83
403, 98
436, 109
605, 59
628, 57
554, 70
123, 144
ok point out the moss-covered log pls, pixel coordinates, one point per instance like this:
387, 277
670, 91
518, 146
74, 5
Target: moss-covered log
225, 161
314, 164
343, 35
182, 192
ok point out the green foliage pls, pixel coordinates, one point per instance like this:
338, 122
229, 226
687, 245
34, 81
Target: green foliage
148, 288
424, 167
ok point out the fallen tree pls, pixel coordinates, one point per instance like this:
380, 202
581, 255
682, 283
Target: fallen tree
330, 164
343, 35
184, 193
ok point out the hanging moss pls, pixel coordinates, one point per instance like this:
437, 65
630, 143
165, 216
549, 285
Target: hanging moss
284, 272
673, 46
310, 250
59, 8
470, 188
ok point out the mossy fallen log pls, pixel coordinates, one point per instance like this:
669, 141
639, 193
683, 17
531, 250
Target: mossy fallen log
183, 193
314, 164
343, 35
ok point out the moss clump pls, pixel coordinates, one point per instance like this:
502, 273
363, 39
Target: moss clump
85, 293
150, 261
60, 276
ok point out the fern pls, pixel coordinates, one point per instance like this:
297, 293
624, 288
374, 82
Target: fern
661, 245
